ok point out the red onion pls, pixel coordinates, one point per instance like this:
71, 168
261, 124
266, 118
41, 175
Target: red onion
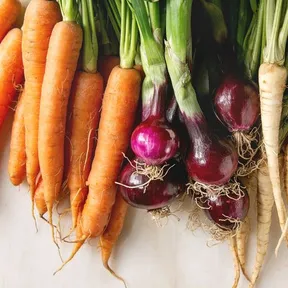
154, 141
237, 103
210, 160
155, 194
227, 211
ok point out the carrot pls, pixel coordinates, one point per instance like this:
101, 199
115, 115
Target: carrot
119, 106
110, 236
265, 203
78, 243
9, 11
61, 64
106, 65
11, 70
40, 18
85, 106
272, 81
17, 157
39, 199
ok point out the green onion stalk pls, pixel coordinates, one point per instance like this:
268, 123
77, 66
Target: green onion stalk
152, 57
153, 140
207, 151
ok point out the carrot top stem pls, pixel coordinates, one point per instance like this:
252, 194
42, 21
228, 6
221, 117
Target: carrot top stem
69, 10
128, 37
90, 43
113, 8
276, 35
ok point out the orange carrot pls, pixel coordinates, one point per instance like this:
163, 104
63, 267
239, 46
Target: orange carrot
78, 243
39, 199
40, 18
106, 65
110, 236
119, 107
117, 118
62, 58
118, 113
11, 69
17, 157
85, 104
9, 11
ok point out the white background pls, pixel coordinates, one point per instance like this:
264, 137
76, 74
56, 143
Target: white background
146, 256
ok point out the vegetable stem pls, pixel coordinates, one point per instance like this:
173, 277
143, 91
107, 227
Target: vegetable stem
253, 52
151, 49
253, 5
90, 43
283, 35
154, 87
273, 54
69, 10
113, 8
176, 23
128, 37
177, 15
154, 13
244, 18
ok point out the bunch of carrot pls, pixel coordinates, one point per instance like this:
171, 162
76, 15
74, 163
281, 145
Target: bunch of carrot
75, 122
57, 116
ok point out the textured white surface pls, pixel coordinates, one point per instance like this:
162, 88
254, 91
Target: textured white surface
146, 256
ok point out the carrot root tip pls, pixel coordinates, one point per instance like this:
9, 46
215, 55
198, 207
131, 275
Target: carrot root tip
106, 265
75, 250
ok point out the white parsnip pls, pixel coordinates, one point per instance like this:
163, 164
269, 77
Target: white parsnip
272, 81
233, 248
243, 233
265, 203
